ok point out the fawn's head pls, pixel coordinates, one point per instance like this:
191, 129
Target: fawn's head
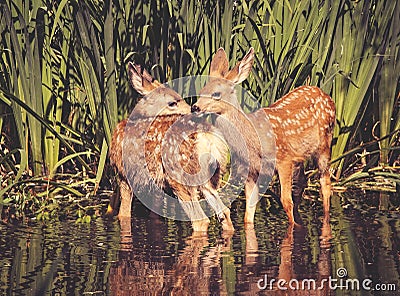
219, 94
158, 98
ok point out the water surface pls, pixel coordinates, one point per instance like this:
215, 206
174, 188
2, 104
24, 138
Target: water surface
154, 256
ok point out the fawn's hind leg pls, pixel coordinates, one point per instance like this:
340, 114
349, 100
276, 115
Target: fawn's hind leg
299, 183
285, 169
325, 181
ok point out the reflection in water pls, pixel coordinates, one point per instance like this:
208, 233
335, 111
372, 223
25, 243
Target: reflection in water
296, 283
152, 256
287, 277
195, 271
60, 258
199, 268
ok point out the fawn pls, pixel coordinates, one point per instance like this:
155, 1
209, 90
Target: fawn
159, 110
302, 122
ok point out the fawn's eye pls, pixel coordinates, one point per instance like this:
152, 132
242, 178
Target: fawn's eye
216, 95
172, 104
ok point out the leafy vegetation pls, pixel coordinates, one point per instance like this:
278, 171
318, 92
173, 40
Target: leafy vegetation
64, 86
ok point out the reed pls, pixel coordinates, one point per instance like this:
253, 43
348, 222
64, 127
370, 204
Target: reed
64, 85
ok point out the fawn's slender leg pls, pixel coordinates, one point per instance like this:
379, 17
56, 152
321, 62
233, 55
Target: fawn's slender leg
200, 226
194, 211
251, 191
285, 169
126, 200
114, 204
220, 209
299, 183
124, 214
325, 181
227, 223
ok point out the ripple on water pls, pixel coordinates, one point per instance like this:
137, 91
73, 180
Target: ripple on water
160, 256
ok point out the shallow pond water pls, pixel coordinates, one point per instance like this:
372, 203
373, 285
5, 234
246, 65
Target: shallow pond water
357, 253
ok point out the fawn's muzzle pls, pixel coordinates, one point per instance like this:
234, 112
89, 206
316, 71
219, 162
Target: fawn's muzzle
195, 108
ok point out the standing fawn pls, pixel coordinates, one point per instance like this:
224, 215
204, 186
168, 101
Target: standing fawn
159, 110
302, 122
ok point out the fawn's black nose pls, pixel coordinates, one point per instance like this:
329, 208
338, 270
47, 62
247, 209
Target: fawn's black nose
195, 108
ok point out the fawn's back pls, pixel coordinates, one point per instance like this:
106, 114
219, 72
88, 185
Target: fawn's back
303, 122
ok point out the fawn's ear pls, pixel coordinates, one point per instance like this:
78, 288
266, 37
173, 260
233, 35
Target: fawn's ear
242, 69
219, 64
141, 80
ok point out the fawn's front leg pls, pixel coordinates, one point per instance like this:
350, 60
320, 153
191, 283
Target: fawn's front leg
189, 201
222, 211
251, 192
126, 200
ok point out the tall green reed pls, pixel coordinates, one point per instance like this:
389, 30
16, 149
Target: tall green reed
64, 86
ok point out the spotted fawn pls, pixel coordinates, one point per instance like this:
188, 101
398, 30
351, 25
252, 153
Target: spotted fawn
302, 122
145, 135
